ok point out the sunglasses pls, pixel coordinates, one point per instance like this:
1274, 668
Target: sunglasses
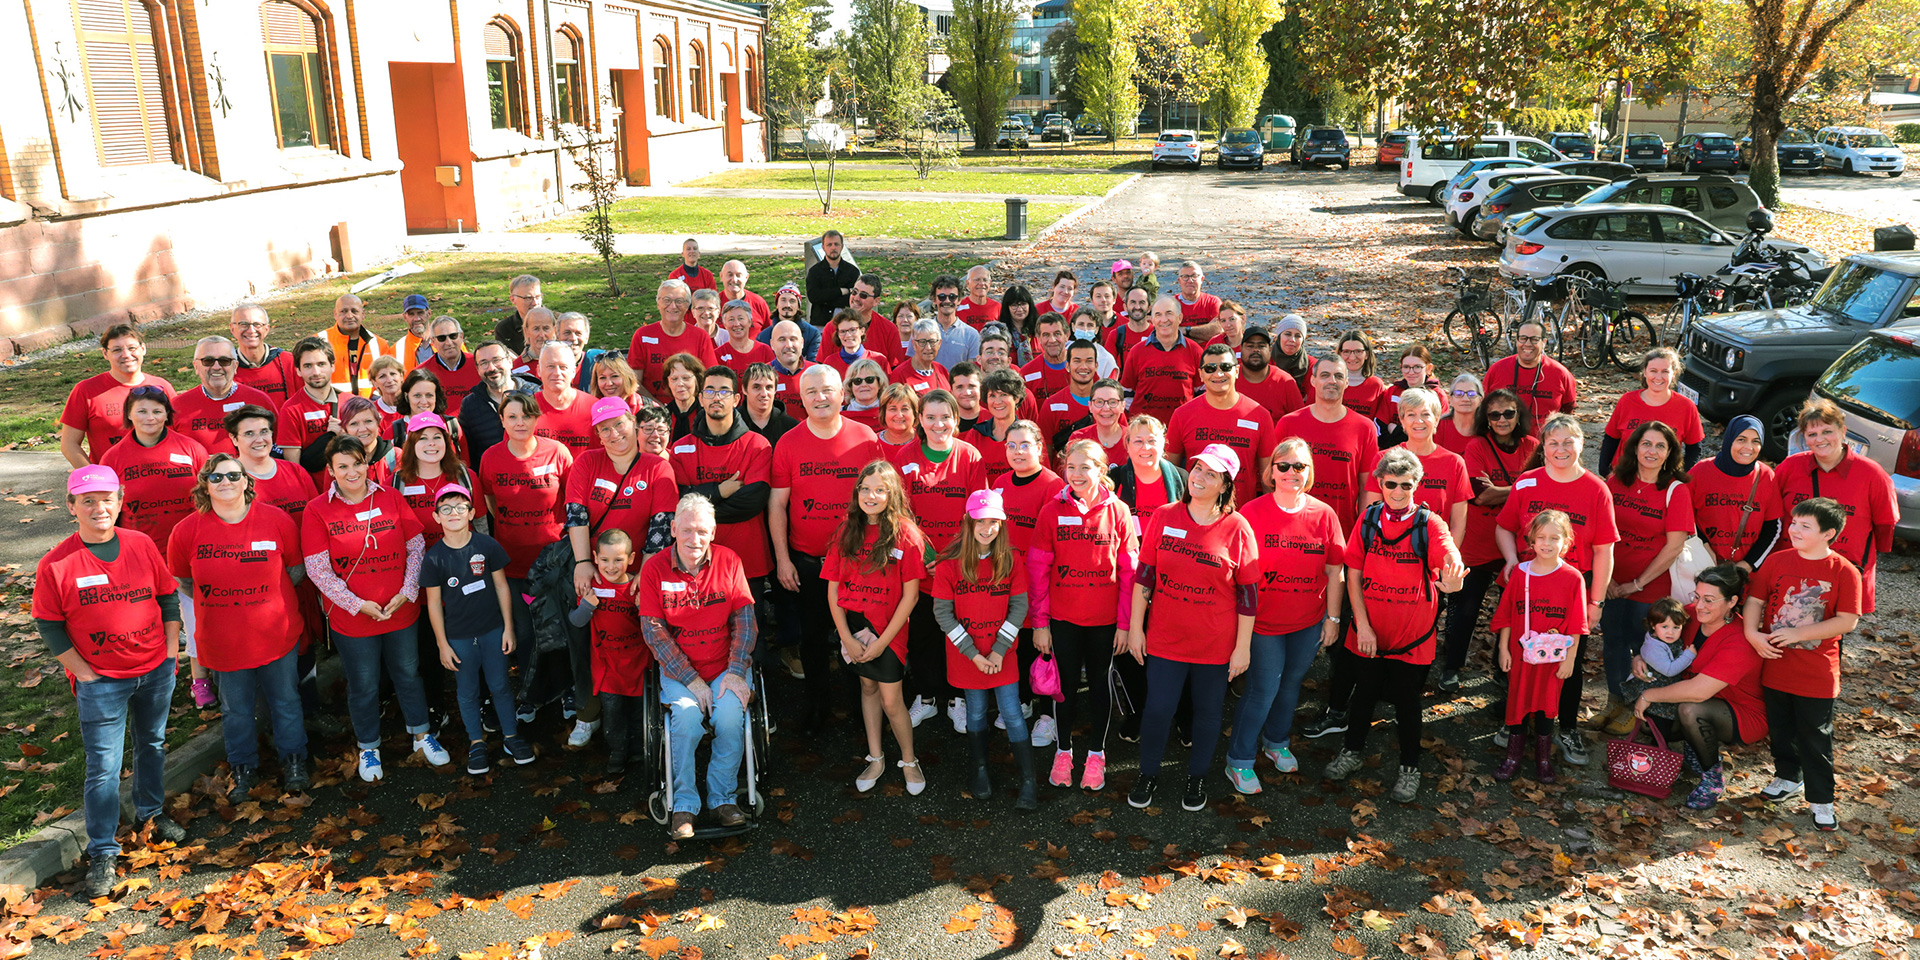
216, 361
226, 476
945, 297
148, 391
1397, 485
445, 337
862, 381
1216, 368
1502, 414
1285, 467
1465, 394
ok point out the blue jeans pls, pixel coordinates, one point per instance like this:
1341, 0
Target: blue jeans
361, 658
481, 662
1278, 663
685, 726
106, 705
242, 692
1624, 623
1006, 697
1166, 681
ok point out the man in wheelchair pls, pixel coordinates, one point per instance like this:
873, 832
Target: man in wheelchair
697, 616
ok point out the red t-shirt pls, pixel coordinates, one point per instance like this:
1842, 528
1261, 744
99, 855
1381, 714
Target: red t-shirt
622, 500
921, 383
1443, 481
1644, 514
456, 384
882, 339
1295, 549
1205, 308
1121, 339
869, 418
204, 419
938, 492
97, 407
303, 419
620, 652
1044, 379
1546, 389
1245, 427
976, 314
1798, 592
1060, 415
1116, 454
156, 483
245, 608
698, 607
699, 278
1023, 501
1344, 452
1193, 616
1161, 378
290, 488
1678, 412
1586, 500
1396, 585
571, 425
651, 345
422, 495
1726, 656
1046, 307
1364, 397
1862, 489
821, 475
1718, 501
367, 544
1278, 394
697, 462
527, 499
981, 608
1083, 585
876, 594
1497, 468
737, 358
1449, 436
276, 376
111, 610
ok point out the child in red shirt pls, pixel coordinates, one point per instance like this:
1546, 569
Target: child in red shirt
1543, 610
620, 653
979, 601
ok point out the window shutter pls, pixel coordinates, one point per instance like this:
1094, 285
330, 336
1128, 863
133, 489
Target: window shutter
123, 79
499, 43
284, 25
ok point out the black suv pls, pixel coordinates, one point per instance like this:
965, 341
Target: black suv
1762, 362
1794, 151
1577, 146
1704, 151
1322, 145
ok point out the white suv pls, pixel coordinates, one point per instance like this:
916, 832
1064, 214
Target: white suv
1176, 146
1429, 162
1860, 150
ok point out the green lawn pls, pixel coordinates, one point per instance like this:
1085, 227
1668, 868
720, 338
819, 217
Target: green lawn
903, 219
850, 177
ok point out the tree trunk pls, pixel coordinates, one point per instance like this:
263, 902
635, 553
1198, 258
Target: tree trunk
1767, 127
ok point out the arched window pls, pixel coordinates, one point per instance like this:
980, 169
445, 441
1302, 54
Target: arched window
569, 105
662, 78
296, 75
124, 81
753, 80
503, 77
697, 81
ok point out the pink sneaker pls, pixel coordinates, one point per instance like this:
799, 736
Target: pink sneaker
1094, 775
203, 693
1062, 775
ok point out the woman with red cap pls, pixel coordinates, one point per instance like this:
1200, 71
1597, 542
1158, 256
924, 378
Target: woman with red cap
980, 600
1199, 570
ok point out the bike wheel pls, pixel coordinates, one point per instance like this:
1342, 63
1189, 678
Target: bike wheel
1508, 318
1459, 330
1631, 338
1486, 340
1590, 340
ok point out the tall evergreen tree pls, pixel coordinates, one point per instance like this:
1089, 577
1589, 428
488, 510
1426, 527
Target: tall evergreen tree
888, 46
1103, 74
981, 73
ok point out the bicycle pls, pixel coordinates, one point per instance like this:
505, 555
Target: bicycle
1532, 301
1471, 327
1694, 298
1606, 329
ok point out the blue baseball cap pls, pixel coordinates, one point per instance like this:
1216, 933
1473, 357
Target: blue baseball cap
414, 301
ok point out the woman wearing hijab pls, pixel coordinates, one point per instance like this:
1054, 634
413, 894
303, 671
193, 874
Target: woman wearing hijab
1736, 504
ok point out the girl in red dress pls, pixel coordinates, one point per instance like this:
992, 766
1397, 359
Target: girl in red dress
979, 601
1543, 610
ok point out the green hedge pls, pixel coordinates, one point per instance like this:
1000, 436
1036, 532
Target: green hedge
1907, 133
1539, 121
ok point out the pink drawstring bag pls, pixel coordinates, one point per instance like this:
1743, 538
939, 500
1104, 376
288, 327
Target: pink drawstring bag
1044, 676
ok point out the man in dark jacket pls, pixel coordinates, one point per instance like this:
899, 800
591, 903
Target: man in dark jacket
830, 281
523, 294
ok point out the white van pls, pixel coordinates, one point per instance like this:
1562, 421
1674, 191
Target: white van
1430, 163
1860, 150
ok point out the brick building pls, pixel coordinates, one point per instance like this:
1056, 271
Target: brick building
159, 153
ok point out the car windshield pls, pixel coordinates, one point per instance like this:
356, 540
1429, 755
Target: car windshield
1868, 140
1240, 136
1717, 143
1326, 135
1859, 292
1877, 375
1575, 141
1794, 136
1176, 138
1642, 139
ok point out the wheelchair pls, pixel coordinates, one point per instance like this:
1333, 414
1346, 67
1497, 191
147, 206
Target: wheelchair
658, 757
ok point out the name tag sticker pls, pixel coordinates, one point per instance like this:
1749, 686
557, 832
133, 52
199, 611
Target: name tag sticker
414, 490
1033, 376
780, 388
179, 458
266, 545
1528, 482
684, 448
896, 555
1069, 521
1174, 532
367, 514
231, 407
542, 470
602, 592
922, 387
314, 414
474, 587
1056, 406
910, 468
1249, 425
649, 339
97, 580
605, 484
673, 586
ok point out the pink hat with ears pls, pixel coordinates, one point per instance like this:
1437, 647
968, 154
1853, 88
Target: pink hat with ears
986, 505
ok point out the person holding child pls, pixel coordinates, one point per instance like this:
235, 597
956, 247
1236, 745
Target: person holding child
1720, 701
979, 601
471, 609
1540, 618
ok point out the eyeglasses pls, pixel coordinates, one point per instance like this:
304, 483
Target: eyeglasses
1104, 403
1524, 339
216, 361
862, 381
1397, 484
250, 325
445, 337
945, 297
717, 392
678, 301
1019, 446
1465, 394
226, 476
1502, 414
1216, 368
927, 342
863, 294
1290, 467
1355, 352
454, 507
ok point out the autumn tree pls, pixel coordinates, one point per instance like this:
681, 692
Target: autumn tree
1171, 65
1104, 66
1789, 38
1232, 30
795, 61
981, 73
888, 48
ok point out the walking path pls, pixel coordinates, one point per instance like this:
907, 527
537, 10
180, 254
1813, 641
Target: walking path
807, 194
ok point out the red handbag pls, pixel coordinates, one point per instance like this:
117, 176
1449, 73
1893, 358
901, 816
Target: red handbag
1648, 769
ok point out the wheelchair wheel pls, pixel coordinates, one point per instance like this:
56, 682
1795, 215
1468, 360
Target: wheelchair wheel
658, 804
759, 725
653, 760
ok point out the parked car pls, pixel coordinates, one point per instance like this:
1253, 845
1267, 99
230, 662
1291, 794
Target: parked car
1322, 146
1643, 151
1026, 119
1087, 126
822, 135
1013, 133
1242, 148
1474, 167
1176, 146
1877, 385
1793, 151
1704, 151
1393, 146
1578, 146
1716, 199
1622, 240
1463, 201
1861, 150
1604, 169
1523, 194
1429, 161
1057, 129
1045, 120
1763, 362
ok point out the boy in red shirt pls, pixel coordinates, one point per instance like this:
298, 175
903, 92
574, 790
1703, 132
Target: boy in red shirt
1799, 605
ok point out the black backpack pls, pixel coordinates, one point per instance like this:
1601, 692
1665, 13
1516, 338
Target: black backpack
1371, 533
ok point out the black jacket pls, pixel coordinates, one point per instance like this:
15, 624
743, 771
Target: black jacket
824, 284
1172, 478
747, 502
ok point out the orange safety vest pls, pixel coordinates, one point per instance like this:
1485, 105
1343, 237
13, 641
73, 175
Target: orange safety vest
408, 349
354, 374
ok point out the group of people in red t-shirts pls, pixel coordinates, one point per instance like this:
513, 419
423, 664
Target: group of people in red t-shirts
1154, 490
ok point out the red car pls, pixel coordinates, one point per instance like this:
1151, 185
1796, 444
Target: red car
1393, 146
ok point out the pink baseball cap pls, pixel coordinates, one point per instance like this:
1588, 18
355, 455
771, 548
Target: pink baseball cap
92, 478
421, 421
450, 490
1119, 265
608, 408
986, 505
1220, 458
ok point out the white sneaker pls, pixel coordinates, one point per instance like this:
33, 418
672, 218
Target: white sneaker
1781, 789
582, 732
921, 710
370, 765
436, 754
1823, 816
957, 712
1044, 731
